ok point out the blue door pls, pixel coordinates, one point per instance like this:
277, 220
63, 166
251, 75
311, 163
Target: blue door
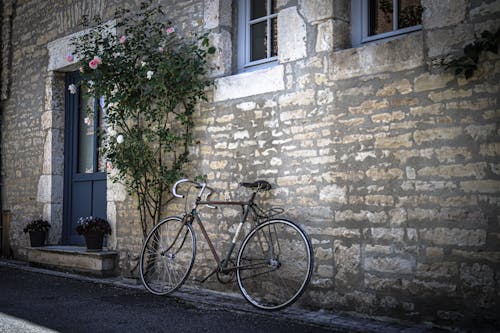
84, 166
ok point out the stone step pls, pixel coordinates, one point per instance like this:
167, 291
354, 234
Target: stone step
74, 259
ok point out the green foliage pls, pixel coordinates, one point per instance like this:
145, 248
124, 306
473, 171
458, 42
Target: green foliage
37, 225
468, 63
151, 81
92, 224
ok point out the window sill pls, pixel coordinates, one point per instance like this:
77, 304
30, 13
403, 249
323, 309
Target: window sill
249, 83
392, 55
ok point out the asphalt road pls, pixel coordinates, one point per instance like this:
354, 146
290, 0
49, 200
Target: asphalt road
34, 302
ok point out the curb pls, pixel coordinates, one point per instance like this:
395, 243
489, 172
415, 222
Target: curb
209, 299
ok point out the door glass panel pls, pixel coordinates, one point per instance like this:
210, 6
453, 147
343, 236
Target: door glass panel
410, 13
259, 41
101, 162
258, 9
85, 133
380, 16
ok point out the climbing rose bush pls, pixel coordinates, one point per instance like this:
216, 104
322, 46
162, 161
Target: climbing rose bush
149, 81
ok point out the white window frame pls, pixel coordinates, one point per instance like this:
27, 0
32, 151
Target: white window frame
361, 25
244, 42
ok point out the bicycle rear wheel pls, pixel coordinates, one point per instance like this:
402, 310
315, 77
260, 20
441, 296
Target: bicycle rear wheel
274, 264
167, 256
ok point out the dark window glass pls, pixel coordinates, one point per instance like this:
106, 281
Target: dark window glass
274, 37
382, 17
86, 133
258, 8
258, 36
410, 13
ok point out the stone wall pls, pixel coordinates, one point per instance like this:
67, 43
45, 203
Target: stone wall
390, 165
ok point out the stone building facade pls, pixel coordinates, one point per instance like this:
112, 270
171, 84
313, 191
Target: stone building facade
390, 164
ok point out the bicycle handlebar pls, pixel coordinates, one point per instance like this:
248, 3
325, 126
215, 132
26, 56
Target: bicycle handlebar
201, 186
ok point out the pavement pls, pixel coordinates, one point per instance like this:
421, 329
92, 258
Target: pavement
207, 300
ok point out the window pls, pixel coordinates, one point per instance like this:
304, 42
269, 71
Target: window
257, 34
378, 19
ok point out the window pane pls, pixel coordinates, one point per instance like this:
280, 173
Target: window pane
380, 16
258, 39
410, 13
85, 133
274, 37
258, 8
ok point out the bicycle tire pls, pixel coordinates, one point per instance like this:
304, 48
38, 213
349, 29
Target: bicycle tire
167, 256
274, 264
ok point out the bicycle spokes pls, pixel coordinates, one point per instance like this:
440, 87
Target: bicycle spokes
274, 264
168, 256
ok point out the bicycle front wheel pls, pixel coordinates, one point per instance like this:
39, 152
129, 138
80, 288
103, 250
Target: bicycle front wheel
274, 264
167, 256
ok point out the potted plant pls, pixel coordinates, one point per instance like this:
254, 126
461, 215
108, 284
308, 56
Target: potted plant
93, 229
37, 230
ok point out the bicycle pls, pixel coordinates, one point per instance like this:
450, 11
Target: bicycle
273, 266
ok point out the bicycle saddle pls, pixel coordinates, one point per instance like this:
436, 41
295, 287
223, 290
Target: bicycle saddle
261, 185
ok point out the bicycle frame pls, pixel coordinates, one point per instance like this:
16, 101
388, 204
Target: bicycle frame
222, 266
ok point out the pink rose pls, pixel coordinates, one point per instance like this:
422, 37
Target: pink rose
170, 30
123, 39
69, 57
160, 49
93, 64
109, 165
98, 59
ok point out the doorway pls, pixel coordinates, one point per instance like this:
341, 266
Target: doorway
84, 164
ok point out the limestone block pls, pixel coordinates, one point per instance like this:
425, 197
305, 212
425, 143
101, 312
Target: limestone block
334, 193
249, 84
490, 149
316, 10
477, 277
59, 48
447, 41
481, 186
433, 134
292, 35
391, 142
454, 236
391, 56
217, 13
402, 86
384, 173
50, 188
443, 13
379, 200
324, 39
446, 270
476, 170
347, 263
429, 81
449, 94
387, 234
485, 9
299, 98
220, 61
362, 216
384, 264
